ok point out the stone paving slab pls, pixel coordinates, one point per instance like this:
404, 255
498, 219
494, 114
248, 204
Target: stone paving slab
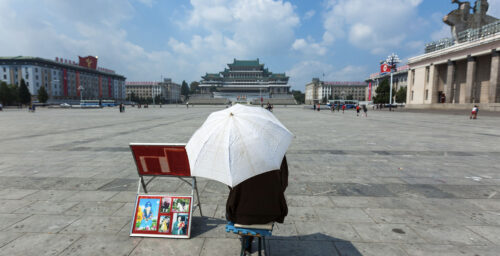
181, 247
38, 244
42, 224
102, 245
400, 183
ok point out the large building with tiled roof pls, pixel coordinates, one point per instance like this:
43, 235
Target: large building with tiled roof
64, 79
245, 80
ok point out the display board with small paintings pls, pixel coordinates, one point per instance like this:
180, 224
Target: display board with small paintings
162, 216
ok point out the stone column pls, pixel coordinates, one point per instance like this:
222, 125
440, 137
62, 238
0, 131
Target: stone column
470, 80
409, 86
448, 87
494, 85
433, 83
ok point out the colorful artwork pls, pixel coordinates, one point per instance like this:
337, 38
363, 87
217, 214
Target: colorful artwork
180, 223
165, 204
180, 205
162, 216
147, 214
164, 224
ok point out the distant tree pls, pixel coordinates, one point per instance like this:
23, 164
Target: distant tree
194, 87
5, 93
382, 92
401, 95
24, 93
349, 97
133, 97
43, 96
185, 89
14, 93
158, 99
299, 96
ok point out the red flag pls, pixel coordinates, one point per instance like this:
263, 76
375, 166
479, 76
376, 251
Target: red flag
370, 91
88, 62
385, 68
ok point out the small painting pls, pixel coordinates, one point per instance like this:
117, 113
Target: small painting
165, 204
180, 205
180, 225
164, 224
147, 214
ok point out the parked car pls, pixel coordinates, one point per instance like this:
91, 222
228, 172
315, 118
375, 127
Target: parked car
65, 105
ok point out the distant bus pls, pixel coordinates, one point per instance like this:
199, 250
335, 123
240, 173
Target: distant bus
95, 103
348, 103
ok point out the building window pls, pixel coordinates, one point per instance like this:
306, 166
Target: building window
4, 70
426, 94
427, 74
4, 76
412, 94
413, 77
36, 70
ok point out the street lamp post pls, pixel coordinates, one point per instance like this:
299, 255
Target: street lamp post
80, 88
392, 60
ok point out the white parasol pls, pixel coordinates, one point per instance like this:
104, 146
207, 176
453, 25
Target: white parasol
238, 143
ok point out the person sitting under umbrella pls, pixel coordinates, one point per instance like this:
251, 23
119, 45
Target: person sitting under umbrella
259, 200
244, 147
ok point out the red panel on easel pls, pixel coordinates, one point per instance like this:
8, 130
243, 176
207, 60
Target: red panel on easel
170, 160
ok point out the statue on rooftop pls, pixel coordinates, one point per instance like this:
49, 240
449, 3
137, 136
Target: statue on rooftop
462, 19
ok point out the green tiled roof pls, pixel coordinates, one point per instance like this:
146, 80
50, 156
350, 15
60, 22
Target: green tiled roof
245, 63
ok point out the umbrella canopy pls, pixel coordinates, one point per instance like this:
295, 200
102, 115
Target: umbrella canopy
238, 143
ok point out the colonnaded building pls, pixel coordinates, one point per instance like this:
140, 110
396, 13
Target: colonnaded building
320, 91
64, 79
167, 90
245, 81
461, 71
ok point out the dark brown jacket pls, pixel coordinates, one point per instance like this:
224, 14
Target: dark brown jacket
260, 199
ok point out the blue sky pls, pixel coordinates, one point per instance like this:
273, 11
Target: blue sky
149, 39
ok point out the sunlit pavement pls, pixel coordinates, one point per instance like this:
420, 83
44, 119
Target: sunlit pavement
395, 183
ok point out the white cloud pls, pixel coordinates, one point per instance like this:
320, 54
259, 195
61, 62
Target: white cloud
303, 72
221, 30
494, 8
236, 29
260, 27
309, 48
309, 14
367, 24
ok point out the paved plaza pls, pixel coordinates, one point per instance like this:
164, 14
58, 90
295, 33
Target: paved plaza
395, 183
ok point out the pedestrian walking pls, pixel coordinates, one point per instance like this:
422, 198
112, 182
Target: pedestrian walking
365, 110
318, 108
187, 104
314, 106
332, 108
343, 108
357, 110
473, 114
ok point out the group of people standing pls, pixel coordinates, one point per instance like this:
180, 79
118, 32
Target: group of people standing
333, 107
